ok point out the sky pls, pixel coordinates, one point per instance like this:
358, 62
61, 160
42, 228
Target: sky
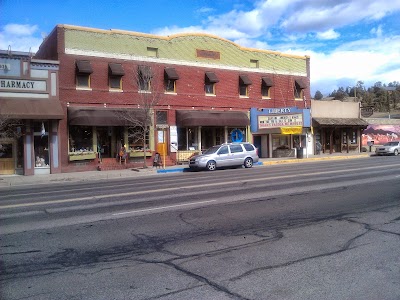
347, 41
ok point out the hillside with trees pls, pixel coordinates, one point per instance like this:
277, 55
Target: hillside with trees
382, 97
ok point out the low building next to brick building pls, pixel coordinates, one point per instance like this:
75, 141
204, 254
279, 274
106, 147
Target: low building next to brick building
30, 111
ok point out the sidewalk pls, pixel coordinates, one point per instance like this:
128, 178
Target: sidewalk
20, 180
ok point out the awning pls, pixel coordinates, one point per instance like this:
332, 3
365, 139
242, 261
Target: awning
267, 81
187, 118
211, 77
84, 66
32, 109
292, 130
301, 84
244, 80
171, 74
116, 69
340, 122
98, 116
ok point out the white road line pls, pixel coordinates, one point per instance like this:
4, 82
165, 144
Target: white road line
208, 185
162, 207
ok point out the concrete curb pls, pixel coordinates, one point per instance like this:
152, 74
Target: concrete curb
20, 180
304, 160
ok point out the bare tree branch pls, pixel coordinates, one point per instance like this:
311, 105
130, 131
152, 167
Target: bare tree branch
140, 119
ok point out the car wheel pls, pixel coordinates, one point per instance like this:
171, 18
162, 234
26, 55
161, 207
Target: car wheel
248, 162
396, 152
211, 165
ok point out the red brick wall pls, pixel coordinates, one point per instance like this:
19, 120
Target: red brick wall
190, 87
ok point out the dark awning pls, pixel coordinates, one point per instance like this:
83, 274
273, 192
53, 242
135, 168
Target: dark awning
187, 118
116, 69
211, 77
244, 80
84, 66
98, 116
340, 122
267, 81
31, 109
171, 74
301, 84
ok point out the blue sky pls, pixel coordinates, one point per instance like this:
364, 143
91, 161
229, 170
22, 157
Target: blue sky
347, 41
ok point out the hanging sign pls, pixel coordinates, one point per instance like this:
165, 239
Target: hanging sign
292, 130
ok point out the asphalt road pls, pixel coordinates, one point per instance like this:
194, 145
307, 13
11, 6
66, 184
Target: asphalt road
320, 230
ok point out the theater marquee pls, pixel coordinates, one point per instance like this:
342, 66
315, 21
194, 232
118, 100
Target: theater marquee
276, 121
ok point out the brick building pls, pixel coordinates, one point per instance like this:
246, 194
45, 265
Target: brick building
204, 88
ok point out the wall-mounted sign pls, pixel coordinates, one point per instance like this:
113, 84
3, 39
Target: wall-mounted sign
237, 136
208, 54
275, 121
367, 111
23, 85
5, 67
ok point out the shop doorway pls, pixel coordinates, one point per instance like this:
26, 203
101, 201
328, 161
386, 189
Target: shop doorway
104, 141
7, 157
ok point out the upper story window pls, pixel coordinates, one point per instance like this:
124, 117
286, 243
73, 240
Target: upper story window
209, 83
266, 84
115, 73
170, 78
153, 52
299, 87
83, 71
254, 63
144, 78
244, 83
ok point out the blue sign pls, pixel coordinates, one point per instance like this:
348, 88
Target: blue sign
237, 136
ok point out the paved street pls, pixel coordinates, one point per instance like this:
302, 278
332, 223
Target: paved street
317, 230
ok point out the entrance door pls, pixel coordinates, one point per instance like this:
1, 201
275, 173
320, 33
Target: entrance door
104, 141
7, 158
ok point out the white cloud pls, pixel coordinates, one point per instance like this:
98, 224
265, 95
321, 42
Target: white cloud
328, 35
19, 29
20, 37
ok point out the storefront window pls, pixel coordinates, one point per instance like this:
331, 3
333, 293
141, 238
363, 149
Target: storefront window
41, 144
353, 137
280, 142
187, 138
80, 138
135, 138
6, 150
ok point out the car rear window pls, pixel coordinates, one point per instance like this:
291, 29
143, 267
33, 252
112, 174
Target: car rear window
236, 148
248, 147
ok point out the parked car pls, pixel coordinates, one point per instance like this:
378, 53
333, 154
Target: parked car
226, 155
388, 148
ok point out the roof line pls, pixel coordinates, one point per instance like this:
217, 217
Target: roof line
173, 36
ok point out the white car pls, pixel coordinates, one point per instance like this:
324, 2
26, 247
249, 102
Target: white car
226, 155
388, 148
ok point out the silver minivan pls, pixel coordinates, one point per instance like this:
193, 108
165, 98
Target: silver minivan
225, 155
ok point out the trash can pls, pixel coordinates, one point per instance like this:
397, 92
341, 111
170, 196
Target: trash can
300, 152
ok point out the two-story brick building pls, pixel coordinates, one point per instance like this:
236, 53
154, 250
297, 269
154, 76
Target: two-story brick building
205, 87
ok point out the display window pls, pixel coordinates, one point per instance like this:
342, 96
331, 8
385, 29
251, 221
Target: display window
80, 138
41, 144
